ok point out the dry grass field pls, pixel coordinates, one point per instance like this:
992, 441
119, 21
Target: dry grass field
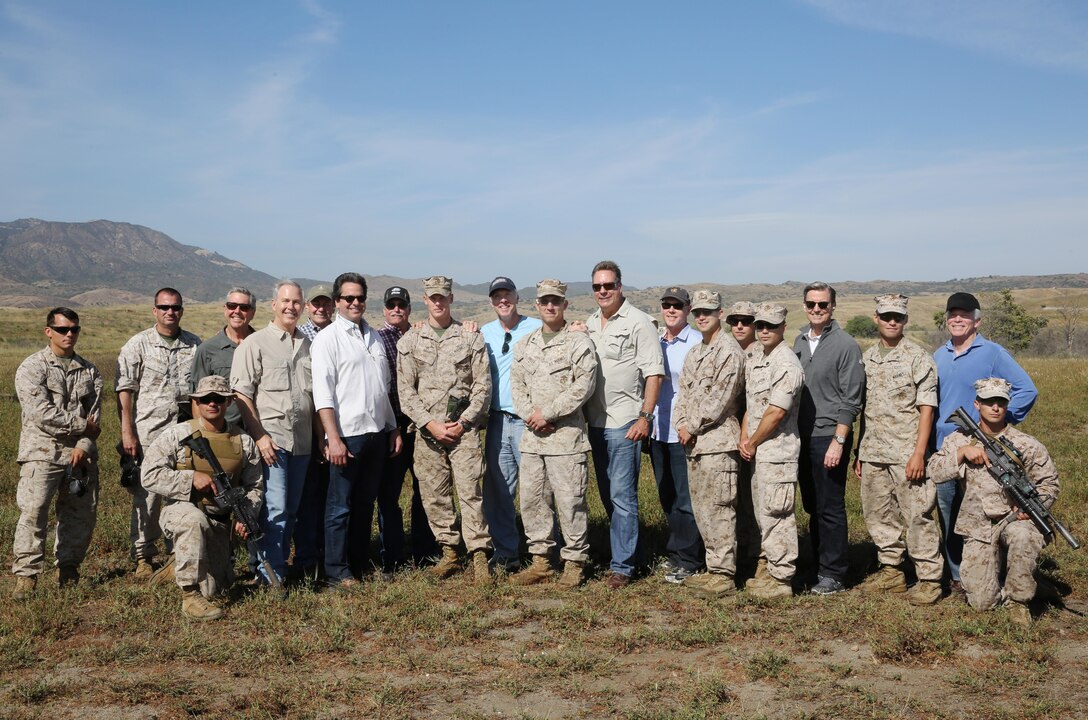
415, 648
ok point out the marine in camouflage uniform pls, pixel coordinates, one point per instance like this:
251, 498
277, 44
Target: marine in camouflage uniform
773, 382
444, 385
739, 318
60, 393
987, 521
711, 389
199, 529
553, 375
896, 496
152, 381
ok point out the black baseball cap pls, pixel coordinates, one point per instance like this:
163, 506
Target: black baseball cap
501, 283
677, 293
962, 301
396, 293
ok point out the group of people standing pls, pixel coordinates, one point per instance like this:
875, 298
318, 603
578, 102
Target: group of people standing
319, 422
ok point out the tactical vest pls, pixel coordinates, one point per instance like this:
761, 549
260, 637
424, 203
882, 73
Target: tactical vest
227, 447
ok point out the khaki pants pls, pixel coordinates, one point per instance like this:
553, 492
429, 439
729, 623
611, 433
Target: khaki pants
441, 469
774, 492
201, 547
1021, 542
712, 481
894, 506
76, 516
555, 483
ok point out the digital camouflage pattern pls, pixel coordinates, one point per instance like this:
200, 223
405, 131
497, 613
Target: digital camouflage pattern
712, 482
895, 507
555, 483
157, 374
897, 385
711, 392
775, 379
774, 494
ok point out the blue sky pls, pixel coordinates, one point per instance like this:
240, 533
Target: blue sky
691, 142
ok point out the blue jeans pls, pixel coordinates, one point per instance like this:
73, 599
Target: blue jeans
283, 483
502, 448
684, 546
616, 461
949, 497
349, 508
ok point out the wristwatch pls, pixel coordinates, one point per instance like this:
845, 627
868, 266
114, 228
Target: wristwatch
648, 417
840, 439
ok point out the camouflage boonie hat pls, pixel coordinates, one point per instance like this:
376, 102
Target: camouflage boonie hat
437, 285
770, 313
742, 308
545, 288
319, 291
893, 303
706, 300
992, 387
212, 385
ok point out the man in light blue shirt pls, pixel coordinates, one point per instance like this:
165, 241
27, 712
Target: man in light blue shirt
504, 427
684, 550
965, 358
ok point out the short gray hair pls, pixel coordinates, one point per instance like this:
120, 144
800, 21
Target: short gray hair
284, 283
976, 312
819, 287
242, 291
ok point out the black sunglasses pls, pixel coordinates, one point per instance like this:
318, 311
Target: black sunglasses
244, 307
167, 308
702, 312
745, 321
349, 299
892, 317
506, 342
672, 306
597, 287
822, 304
213, 398
396, 304
760, 325
65, 329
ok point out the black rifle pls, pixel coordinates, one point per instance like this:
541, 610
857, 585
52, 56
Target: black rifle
233, 499
1007, 467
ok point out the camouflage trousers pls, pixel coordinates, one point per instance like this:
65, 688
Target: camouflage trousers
712, 481
201, 547
555, 483
443, 469
39, 482
774, 493
893, 507
748, 537
1020, 542
144, 529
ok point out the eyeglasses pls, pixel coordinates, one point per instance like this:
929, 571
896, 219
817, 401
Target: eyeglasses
822, 304
892, 317
351, 299
549, 300
506, 342
672, 306
745, 321
397, 304
65, 329
209, 399
993, 401
244, 307
761, 326
701, 312
168, 308
609, 286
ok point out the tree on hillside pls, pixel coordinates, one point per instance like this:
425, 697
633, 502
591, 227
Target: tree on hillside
862, 326
938, 319
1070, 317
1009, 323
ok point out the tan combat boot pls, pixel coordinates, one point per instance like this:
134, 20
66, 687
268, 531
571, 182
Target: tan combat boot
719, 585
195, 607
164, 575
1019, 613
481, 569
68, 575
924, 592
538, 571
886, 580
24, 586
770, 589
697, 580
447, 564
574, 574
761, 577
144, 569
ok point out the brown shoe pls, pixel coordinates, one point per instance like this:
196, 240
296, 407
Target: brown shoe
164, 575
447, 564
617, 580
24, 586
144, 569
770, 589
481, 571
718, 585
539, 570
574, 574
925, 592
1019, 613
68, 575
195, 607
886, 580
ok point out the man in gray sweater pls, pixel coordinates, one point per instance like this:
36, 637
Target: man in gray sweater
832, 398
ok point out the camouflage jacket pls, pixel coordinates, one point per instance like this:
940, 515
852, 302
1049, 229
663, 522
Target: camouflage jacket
433, 372
157, 374
985, 503
896, 386
711, 390
558, 377
161, 476
775, 379
56, 400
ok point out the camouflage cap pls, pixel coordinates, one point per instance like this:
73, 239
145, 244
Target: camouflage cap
893, 303
212, 385
706, 300
992, 387
551, 287
742, 308
437, 285
770, 313
319, 291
